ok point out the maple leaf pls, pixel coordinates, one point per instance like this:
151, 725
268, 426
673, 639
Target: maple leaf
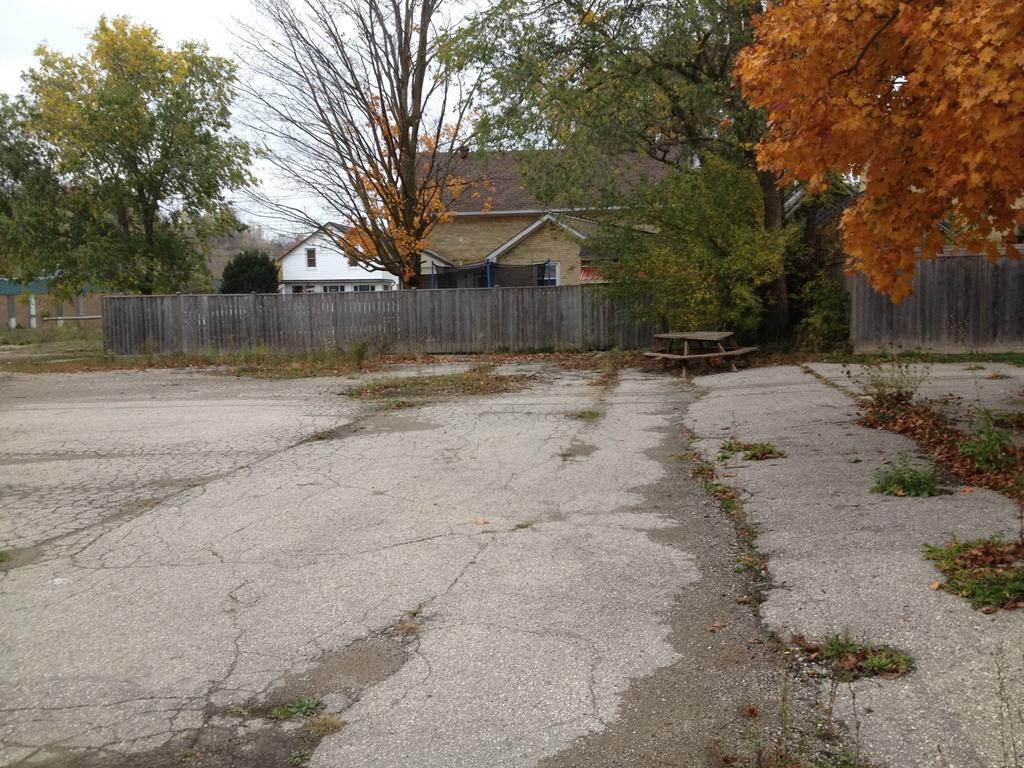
924, 98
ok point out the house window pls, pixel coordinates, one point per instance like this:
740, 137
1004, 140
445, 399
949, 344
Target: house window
311, 258
334, 289
364, 287
546, 273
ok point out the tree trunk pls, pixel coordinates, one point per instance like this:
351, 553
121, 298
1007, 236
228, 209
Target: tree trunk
410, 273
777, 318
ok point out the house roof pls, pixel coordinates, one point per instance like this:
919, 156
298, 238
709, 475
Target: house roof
499, 188
433, 255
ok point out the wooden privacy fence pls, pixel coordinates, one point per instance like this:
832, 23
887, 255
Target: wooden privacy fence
961, 302
428, 321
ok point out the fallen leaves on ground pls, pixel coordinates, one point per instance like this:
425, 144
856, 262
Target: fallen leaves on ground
934, 433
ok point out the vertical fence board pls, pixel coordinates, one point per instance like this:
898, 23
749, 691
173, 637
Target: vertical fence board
961, 302
428, 321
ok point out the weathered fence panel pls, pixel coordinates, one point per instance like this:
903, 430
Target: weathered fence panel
428, 321
961, 302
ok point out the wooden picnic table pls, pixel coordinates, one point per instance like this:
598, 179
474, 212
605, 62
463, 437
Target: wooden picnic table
697, 345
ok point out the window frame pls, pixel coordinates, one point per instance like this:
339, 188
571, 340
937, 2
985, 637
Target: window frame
311, 257
542, 282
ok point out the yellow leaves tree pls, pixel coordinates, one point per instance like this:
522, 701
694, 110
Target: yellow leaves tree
137, 134
923, 101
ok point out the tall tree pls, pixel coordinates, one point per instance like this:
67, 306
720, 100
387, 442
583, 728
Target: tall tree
361, 121
924, 101
692, 250
30, 195
599, 78
139, 132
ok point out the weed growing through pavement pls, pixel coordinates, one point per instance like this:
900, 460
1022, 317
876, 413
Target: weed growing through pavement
728, 500
957, 453
357, 352
988, 572
891, 382
750, 451
611, 362
586, 415
850, 660
299, 758
409, 625
324, 724
904, 479
705, 470
990, 448
303, 707
790, 749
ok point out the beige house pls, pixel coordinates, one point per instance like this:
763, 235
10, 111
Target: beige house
501, 235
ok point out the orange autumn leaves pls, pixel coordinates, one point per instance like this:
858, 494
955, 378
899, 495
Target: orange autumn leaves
923, 101
404, 195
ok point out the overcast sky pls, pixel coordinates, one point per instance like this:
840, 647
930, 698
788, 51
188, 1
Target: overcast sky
63, 25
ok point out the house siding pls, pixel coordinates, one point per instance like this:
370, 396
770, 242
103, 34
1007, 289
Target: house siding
549, 243
331, 266
471, 239
468, 240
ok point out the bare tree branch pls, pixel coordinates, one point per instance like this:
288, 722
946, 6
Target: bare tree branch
356, 111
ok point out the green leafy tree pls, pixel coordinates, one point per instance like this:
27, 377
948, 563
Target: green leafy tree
250, 272
692, 251
136, 133
597, 79
33, 203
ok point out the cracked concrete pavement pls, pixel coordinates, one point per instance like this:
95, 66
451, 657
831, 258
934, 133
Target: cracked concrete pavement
479, 582
844, 560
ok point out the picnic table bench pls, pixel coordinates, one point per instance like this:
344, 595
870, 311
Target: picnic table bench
697, 345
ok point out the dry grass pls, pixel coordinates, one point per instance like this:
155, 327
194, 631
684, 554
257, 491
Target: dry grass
323, 725
479, 380
72, 333
257, 363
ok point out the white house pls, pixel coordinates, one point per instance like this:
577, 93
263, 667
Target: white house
314, 264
